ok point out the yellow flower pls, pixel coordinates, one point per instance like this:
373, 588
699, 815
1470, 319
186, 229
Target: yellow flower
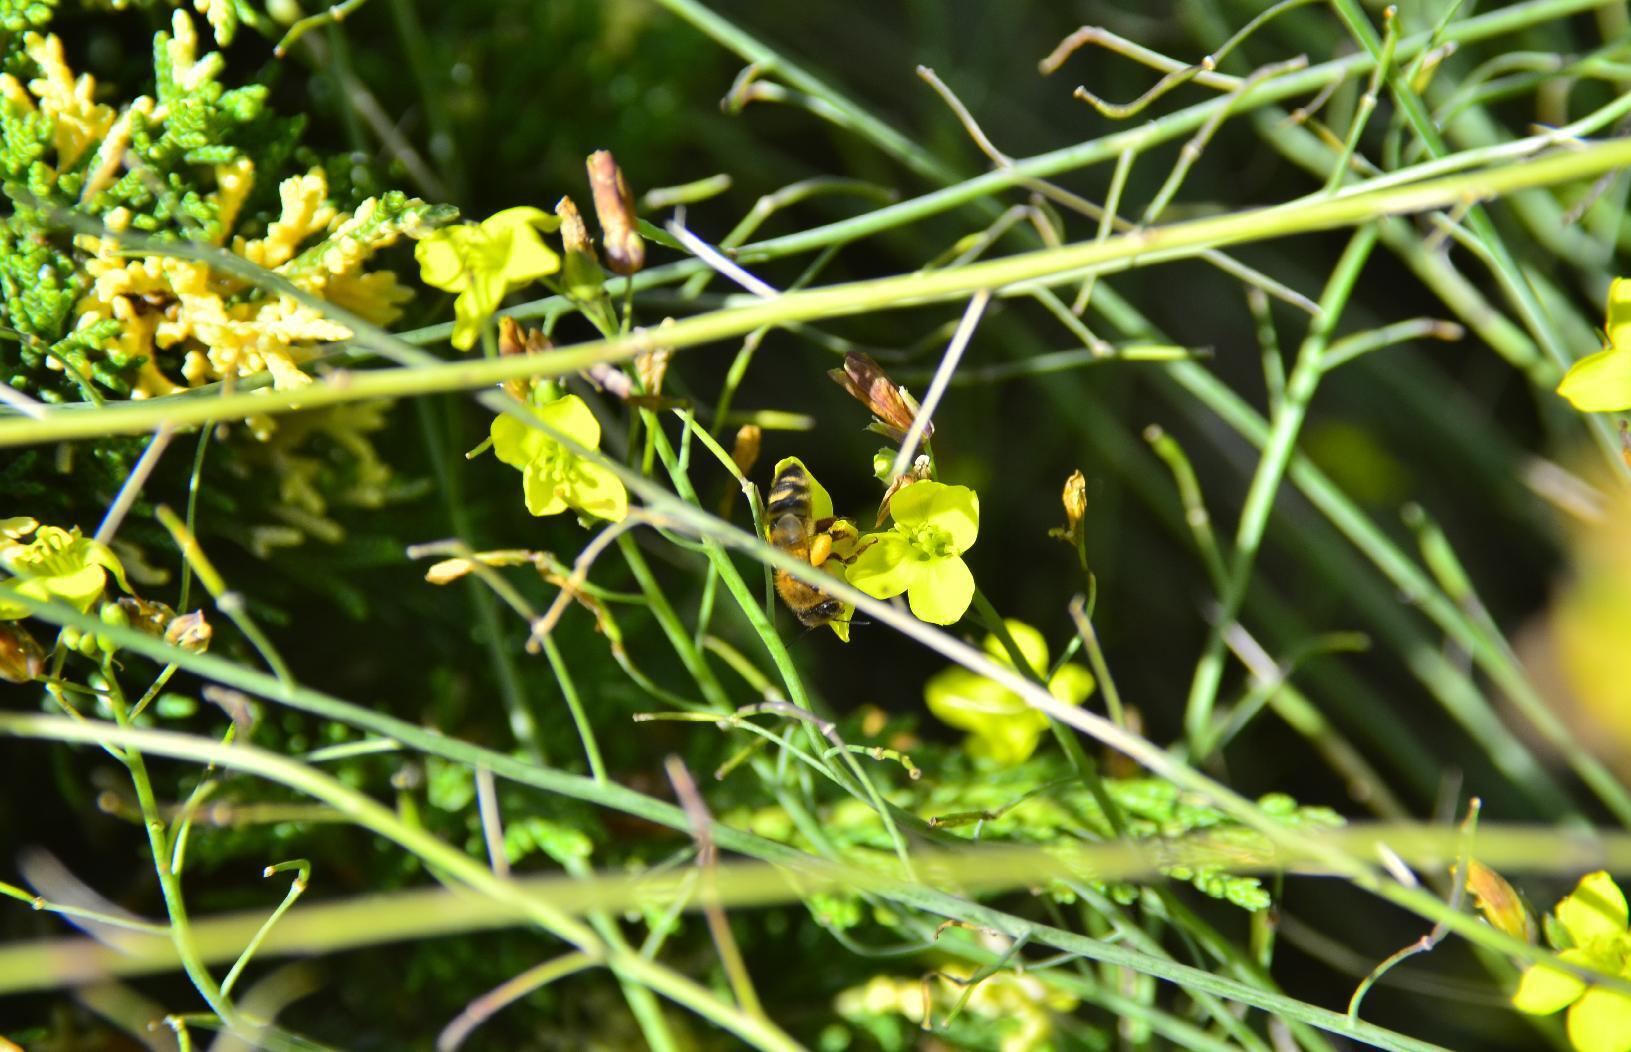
1594, 919
922, 555
483, 263
1001, 726
553, 478
57, 565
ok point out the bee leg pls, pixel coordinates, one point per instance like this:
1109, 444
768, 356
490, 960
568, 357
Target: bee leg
820, 548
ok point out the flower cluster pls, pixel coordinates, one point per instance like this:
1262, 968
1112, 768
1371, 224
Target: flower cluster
195, 159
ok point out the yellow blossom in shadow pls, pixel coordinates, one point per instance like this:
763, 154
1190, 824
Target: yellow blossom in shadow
483, 262
57, 564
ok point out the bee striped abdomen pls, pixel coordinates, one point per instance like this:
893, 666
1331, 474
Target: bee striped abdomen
789, 494
790, 526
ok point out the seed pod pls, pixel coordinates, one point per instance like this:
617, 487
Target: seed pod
614, 207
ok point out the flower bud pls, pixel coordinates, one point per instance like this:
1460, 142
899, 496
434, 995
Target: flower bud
514, 340
145, 615
868, 384
614, 207
651, 367
745, 451
581, 274
1075, 501
21, 658
1498, 902
190, 632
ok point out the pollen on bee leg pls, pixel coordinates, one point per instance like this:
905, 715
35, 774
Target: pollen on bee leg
820, 548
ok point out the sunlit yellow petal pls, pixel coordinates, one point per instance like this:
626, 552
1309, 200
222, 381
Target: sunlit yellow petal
515, 443
942, 592
1544, 990
1599, 383
442, 258
542, 490
1594, 910
886, 568
598, 492
1601, 1021
1071, 684
1028, 639
569, 416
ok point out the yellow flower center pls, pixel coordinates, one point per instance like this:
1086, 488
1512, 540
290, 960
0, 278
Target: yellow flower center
929, 541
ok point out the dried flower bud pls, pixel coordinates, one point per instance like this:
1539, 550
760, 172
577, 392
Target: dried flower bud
1075, 501
1498, 902
190, 632
868, 384
145, 615
513, 340
651, 367
614, 207
574, 231
1072, 532
21, 658
745, 452
581, 275
449, 570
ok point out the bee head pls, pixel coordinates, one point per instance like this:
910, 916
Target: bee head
821, 613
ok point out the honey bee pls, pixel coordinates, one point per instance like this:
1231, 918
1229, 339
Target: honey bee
791, 527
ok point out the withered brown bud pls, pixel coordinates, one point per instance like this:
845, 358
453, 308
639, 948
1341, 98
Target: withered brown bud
190, 632
1075, 501
651, 367
868, 384
574, 231
1073, 532
745, 451
21, 659
148, 616
1498, 902
614, 207
512, 340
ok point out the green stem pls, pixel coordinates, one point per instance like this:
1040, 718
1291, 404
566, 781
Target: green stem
1277, 451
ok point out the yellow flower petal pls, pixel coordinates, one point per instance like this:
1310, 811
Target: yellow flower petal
942, 592
1601, 1021
1618, 324
1599, 383
1071, 684
542, 490
598, 492
1544, 989
885, 568
1028, 639
570, 416
442, 257
1594, 910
